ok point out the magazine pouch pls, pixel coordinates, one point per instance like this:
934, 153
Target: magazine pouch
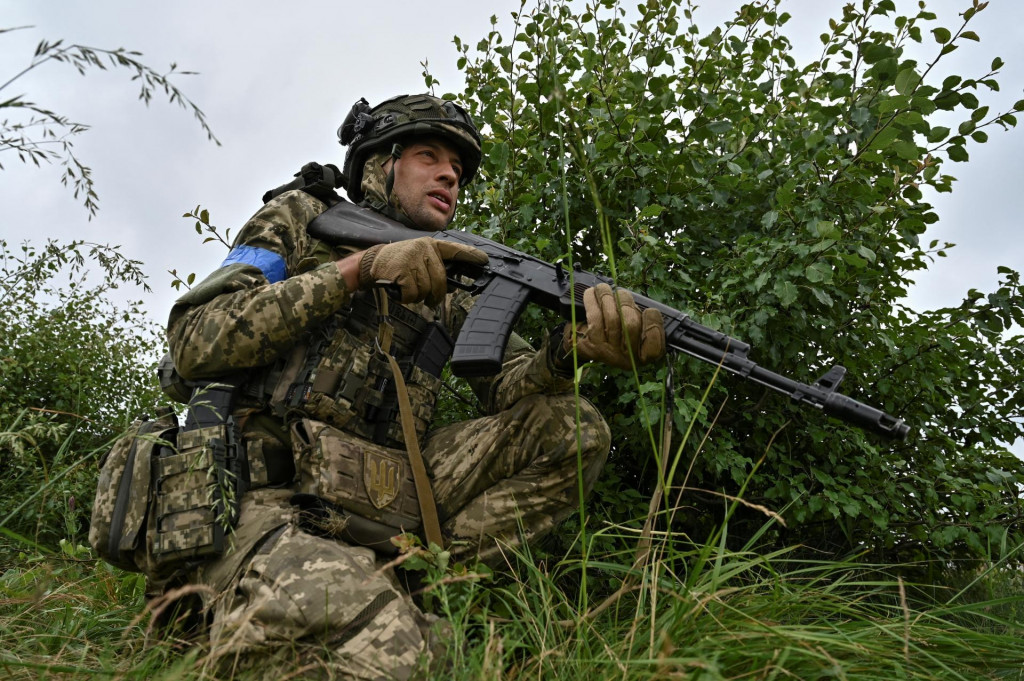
117, 531
198, 485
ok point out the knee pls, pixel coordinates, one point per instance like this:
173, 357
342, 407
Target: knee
575, 422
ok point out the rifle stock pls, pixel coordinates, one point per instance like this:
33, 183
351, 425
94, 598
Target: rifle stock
512, 279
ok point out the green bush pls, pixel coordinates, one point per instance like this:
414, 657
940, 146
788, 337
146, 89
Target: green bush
782, 203
76, 368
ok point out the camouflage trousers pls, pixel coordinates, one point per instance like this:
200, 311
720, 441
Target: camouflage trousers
289, 599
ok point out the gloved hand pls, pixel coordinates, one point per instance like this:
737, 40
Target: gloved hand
415, 266
603, 338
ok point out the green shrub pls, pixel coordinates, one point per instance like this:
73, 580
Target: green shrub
784, 204
76, 368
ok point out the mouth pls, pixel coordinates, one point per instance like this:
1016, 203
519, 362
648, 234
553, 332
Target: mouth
442, 199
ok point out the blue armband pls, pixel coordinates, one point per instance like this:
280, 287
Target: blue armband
271, 264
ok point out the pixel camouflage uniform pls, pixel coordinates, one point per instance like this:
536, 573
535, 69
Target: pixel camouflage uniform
288, 586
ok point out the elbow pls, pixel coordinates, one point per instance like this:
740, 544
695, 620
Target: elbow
193, 359
188, 364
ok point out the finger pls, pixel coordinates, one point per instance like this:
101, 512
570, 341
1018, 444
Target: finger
629, 320
410, 282
460, 253
652, 343
595, 323
435, 280
610, 324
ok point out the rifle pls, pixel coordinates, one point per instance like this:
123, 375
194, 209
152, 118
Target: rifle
512, 279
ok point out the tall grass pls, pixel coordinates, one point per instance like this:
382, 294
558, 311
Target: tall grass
624, 601
736, 615
692, 612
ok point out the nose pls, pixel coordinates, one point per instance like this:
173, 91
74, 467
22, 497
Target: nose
446, 172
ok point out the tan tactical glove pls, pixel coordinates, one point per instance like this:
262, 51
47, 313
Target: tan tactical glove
415, 266
609, 338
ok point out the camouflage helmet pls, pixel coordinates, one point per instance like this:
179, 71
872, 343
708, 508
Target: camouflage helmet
368, 129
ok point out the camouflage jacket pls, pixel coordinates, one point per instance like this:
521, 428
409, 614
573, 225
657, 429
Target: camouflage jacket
278, 283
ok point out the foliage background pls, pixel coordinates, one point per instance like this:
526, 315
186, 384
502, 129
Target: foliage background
780, 201
783, 203
75, 369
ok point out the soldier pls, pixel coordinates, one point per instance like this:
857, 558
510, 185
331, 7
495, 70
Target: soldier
310, 328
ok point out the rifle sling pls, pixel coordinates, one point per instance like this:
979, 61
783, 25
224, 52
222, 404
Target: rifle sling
424, 495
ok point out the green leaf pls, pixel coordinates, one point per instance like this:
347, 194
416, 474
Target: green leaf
500, 154
906, 81
874, 52
719, 127
885, 137
814, 139
867, 253
854, 260
958, 154
907, 150
826, 229
786, 292
818, 272
785, 194
652, 211
942, 35
823, 298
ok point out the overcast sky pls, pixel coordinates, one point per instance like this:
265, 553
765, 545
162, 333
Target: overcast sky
276, 79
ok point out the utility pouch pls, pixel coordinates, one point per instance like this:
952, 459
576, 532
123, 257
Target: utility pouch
363, 479
196, 492
197, 488
117, 531
329, 393
168, 496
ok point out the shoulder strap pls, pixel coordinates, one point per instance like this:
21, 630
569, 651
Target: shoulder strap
319, 181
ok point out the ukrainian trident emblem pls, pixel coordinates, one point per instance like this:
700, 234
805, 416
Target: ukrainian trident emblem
380, 477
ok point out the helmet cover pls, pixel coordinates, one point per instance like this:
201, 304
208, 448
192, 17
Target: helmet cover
366, 129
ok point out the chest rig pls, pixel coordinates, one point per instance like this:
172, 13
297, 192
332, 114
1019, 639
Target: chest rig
372, 370
342, 375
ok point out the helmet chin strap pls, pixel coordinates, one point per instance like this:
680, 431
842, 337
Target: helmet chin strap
385, 205
389, 183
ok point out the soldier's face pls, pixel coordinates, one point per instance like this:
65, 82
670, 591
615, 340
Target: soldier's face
427, 182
